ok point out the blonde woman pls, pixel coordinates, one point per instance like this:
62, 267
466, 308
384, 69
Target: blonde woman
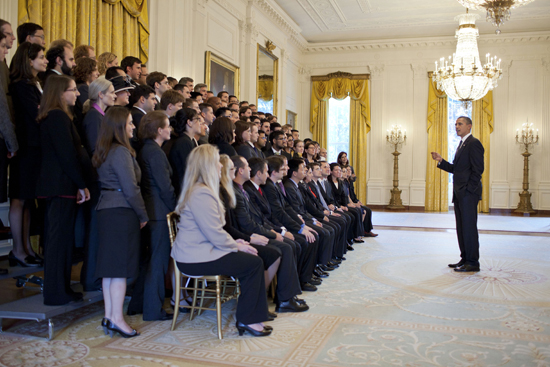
105, 61
203, 247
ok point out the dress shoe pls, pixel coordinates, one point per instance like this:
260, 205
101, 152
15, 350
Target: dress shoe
326, 268
271, 316
467, 269
182, 302
320, 274
242, 328
164, 316
350, 248
457, 265
308, 287
268, 328
356, 240
299, 300
370, 234
291, 306
77, 296
133, 313
14, 261
333, 264
113, 329
336, 260
105, 324
315, 281
341, 258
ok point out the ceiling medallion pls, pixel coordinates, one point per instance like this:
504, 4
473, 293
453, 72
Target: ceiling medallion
498, 11
462, 76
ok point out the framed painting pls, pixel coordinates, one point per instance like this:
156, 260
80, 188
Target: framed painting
221, 75
291, 118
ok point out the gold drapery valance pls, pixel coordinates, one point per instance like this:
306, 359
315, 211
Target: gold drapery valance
265, 87
437, 185
339, 86
482, 120
117, 26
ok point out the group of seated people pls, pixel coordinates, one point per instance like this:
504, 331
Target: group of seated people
110, 150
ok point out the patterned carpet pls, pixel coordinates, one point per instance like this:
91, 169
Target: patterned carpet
394, 302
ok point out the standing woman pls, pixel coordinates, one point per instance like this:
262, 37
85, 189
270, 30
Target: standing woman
26, 92
222, 135
61, 182
202, 247
121, 215
160, 199
344, 162
101, 94
105, 61
85, 72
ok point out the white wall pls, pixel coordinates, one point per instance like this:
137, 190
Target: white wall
399, 95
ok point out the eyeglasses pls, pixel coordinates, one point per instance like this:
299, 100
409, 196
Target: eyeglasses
43, 37
71, 90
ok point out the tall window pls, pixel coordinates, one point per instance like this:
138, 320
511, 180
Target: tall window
338, 127
266, 107
455, 109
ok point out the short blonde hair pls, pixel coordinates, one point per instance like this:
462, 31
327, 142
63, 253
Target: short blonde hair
102, 61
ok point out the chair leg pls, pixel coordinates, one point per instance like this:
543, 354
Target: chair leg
195, 291
219, 309
177, 302
203, 295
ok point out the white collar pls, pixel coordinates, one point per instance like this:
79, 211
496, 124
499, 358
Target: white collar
255, 185
466, 137
141, 109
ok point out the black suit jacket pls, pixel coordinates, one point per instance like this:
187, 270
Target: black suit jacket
467, 168
246, 151
313, 206
338, 192
63, 158
231, 219
137, 115
295, 199
156, 181
226, 148
26, 99
180, 150
327, 193
280, 209
249, 220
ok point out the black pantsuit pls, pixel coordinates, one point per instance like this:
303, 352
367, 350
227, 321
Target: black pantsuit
58, 250
91, 241
249, 269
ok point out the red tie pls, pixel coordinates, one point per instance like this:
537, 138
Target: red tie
260, 190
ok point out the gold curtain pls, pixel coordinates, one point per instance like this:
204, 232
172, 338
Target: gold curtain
358, 91
437, 184
117, 26
482, 120
265, 88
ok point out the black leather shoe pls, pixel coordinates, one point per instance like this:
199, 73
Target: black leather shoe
457, 265
242, 328
336, 260
319, 273
333, 264
268, 328
315, 281
467, 269
115, 329
326, 268
291, 306
105, 324
133, 313
299, 300
350, 248
308, 287
271, 316
358, 241
14, 261
166, 316
341, 258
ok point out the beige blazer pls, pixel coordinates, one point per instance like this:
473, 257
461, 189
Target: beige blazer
201, 237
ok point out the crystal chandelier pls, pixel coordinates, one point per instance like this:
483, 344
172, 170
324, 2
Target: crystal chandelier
498, 11
462, 76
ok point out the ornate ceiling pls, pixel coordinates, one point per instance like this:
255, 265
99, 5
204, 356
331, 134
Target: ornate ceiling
353, 20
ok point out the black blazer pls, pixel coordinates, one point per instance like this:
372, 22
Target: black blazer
249, 220
61, 172
226, 148
261, 203
90, 125
338, 192
181, 148
156, 181
467, 168
280, 209
231, 219
313, 206
26, 99
327, 193
137, 115
352, 194
83, 89
295, 199
246, 151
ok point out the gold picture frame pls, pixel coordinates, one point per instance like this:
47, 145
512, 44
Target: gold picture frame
221, 75
291, 118
265, 53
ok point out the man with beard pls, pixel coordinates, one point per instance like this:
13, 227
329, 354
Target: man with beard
60, 61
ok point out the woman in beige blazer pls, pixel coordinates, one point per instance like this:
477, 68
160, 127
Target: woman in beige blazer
202, 247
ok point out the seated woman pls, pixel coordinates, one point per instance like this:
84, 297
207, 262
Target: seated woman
298, 148
222, 135
202, 247
350, 190
243, 135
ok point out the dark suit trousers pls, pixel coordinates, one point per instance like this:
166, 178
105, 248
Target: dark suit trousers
339, 236
58, 250
137, 285
159, 259
249, 269
91, 242
326, 242
288, 284
308, 257
367, 222
466, 228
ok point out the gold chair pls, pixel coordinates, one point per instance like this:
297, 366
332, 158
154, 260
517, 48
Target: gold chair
200, 289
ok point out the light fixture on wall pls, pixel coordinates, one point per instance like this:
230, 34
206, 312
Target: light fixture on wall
396, 136
498, 11
462, 76
528, 137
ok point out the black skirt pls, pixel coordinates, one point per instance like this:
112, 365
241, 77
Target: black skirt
24, 172
119, 238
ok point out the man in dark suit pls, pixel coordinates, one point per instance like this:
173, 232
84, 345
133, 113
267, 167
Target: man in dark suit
278, 143
143, 101
467, 168
250, 220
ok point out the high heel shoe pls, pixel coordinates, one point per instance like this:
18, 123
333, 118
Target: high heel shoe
242, 328
115, 329
14, 261
105, 323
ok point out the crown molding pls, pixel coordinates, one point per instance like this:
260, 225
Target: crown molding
425, 42
230, 8
278, 15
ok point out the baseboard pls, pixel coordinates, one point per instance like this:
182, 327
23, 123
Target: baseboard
406, 208
511, 212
